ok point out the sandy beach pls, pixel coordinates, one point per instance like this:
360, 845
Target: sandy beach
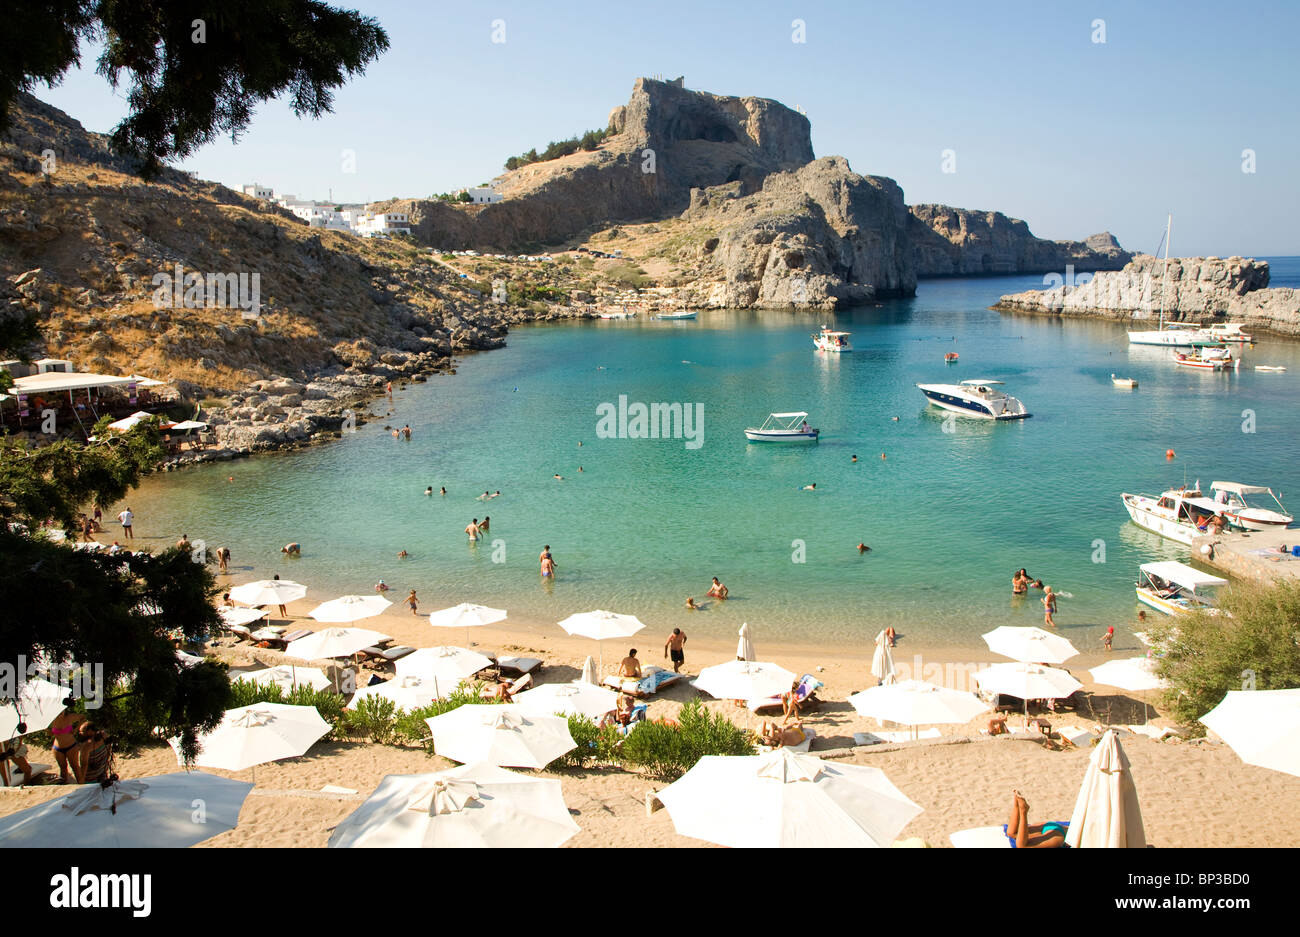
1193, 794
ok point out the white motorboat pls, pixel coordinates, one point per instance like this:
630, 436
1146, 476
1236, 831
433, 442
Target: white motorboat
1123, 381
618, 315
1269, 367
783, 427
676, 316
1207, 356
1228, 332
1177, 589
1172, 335
978, 398
829, 340
1235, 506
1180, 514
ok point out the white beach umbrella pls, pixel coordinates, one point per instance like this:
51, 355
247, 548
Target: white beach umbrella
500, 735
188, 660
268, 592
1029, 645
466, 616
882, 660
153, 812
471, 806
601, 626
240, 616
347, 608
745, 647
589, 671
1261, 726
1132, 673
913, 703
287, 677
1106, 813
788, 800
37, 703
334, 642
407, 693
444, 666
744, 679
254, 735
1027, 681
568, 699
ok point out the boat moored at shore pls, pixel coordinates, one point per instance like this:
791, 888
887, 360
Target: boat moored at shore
1233, 499
1177, 589
1180, 514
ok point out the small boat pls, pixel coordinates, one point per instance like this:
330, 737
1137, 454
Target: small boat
950, 357
1231, 496
1123, 381
977, 398
1228, 332
783, 427
829, 340
1207, 356
676, 316
1180, 514
1269, 367
1177, 589
618, 315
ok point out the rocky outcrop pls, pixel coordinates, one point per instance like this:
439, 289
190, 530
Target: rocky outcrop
958, 242
668, 140
1195, 289
820, 236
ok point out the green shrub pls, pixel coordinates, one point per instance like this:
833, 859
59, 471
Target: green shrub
373, 718
667, 751
628, 275
1256, 645
596, 745
410, 727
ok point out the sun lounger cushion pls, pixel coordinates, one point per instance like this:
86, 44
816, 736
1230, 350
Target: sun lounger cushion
519, 665
653, 679
16, 778
265, 634
879, 736
391, 654
294, 635
981, 837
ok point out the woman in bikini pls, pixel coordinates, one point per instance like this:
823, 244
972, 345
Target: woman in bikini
1020, 582
1023, 835
98, 757
64, 730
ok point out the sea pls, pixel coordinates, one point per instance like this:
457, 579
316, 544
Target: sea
949, 507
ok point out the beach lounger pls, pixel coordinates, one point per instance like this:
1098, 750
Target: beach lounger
1151, 732
14, 778
808, 687
1076, 736
519, 665
639, 715
802, 747
518, 686
653, 679
879, 736
981, 837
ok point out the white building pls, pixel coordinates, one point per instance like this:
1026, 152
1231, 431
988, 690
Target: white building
485, 195
392, 222
259, 191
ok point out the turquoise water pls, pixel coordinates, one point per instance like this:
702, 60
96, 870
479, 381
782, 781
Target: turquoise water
949, 515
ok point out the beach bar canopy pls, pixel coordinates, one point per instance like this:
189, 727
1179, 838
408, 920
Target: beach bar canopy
52, 382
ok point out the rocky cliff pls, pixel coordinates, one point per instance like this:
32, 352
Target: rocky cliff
958, 242
1196, 289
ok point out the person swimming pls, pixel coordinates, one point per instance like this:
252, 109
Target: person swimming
863, 548
428, 492
812, 487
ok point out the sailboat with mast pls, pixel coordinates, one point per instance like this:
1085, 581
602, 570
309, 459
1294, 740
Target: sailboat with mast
1174, 335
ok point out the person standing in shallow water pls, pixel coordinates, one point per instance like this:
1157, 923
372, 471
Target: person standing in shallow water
472, 529
1049, 607
547, 562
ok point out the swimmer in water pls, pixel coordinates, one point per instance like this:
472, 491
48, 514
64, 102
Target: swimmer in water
559, 477
403, 555
812, 487
882, 457
690, 604
428, 492
442, 491
855, 458
863, 548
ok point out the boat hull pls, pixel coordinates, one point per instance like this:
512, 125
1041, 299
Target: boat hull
965, 407
832, 349
1147, 597
1139, 512
676, 316
780, 436
1167, 338
1254, 519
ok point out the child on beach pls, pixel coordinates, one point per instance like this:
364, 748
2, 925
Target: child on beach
1108, 637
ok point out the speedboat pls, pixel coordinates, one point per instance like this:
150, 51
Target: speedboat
1228, 332
1180, 514
829, 340
783, 427
1233, 504
1123, 381
978, 398
1177, 589
676, 316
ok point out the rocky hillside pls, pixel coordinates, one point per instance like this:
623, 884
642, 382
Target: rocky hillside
957, 242
1197, 289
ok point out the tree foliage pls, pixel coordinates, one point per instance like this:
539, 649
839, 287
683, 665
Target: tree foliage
555, 149
193, 70
1256, 645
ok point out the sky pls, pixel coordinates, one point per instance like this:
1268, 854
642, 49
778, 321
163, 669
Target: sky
1044, 122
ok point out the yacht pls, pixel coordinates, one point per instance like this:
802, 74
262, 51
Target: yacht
978, 398
1233, 504
1228, 332
1173, 335
830, 340
1177, 589
1180, 514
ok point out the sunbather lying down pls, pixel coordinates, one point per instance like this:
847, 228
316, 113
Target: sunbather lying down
777, 735
1023, 835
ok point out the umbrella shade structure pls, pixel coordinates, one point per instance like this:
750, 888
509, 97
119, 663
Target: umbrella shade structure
500, 735
568, 699
744, 679
287, 677
882, 659
745, 647
448, 666
473, 806
240, 616
349, 608
589, 671
1027, 681
601, 626
334, 642
37, 703
465, 615
1030, 645
1106, 813
129, 422
268, 592
254, 735
788, 800
157, 812
1134, 673
1261, 726
407, 693
914, 703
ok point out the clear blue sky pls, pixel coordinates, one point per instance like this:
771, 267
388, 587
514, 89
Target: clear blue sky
1071, 135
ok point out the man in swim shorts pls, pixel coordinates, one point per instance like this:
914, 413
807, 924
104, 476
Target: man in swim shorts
674, 648
472, 529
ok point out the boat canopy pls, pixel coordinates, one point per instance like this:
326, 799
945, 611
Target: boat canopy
1236, 488
979, 381
1182, 575
787, 416
829, 332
